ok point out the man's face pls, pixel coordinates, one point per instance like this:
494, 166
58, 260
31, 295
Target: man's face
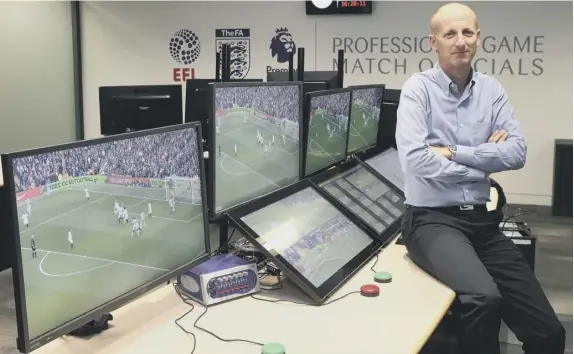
455, 40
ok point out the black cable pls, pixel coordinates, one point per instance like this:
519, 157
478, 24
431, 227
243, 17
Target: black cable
376, 261
519, 212
187, 301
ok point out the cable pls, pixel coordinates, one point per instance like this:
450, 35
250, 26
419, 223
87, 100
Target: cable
519, 212
376, 261
220, 248
187, 301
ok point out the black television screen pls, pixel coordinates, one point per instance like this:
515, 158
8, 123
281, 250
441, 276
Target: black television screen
366, 104
134, 108
327, 124
97, 223
256, 135
308, 238
313, 80
199, 100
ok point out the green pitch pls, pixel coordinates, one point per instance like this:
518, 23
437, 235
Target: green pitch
249, 174
363, 131
324, 150
63, 282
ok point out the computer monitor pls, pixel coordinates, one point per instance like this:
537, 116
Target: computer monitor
256, 139
99, 222
366, 105
371, 199
134, 108
387, 164
312, 80
326, 124
199, 102
388, 123
313, 242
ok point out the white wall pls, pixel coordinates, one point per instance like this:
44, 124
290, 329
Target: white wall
126, 43
36, 75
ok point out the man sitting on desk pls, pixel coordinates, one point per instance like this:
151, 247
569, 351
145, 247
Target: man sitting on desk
455, 127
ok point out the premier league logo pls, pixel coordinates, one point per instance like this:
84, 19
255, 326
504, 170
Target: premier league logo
239, 40
282, 45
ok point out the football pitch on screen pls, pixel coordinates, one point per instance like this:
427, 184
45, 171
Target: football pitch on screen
364, 127
250, 173
324, 149
63, 282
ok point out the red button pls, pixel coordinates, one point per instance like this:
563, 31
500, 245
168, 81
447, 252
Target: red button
370, 290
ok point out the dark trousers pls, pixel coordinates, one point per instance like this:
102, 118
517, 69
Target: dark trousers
466, 251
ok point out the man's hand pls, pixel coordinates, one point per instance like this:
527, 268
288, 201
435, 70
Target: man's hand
441, 150
498, 136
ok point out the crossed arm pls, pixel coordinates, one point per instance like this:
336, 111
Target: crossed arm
504, 150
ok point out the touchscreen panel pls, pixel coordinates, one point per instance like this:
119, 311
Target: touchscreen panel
368, 197
309, 233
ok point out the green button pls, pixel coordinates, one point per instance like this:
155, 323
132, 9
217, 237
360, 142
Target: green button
273, 348
383, 277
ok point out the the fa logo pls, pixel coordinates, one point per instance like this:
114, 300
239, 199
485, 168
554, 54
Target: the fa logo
240, 41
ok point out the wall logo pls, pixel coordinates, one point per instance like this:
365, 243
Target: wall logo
240, 42
281, 46
184, 47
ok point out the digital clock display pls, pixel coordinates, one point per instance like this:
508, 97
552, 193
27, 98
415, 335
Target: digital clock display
329, 7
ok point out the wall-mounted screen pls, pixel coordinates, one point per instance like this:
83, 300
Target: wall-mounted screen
366, 104
256, 135
98, 222
328, 124
308, 238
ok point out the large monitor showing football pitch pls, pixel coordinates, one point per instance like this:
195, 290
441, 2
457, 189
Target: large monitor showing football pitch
97, 223
327, 124
366, 104
256, 135
312, 241
369, 197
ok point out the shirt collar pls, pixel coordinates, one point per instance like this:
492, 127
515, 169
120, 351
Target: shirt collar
445, 82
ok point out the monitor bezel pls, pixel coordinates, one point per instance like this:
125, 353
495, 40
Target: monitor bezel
305, 127
218, 214
366, 149
391, 231
10, 219
336, 281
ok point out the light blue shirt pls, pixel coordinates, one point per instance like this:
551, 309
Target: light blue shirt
432, 112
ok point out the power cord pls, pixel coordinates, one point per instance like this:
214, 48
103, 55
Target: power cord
225, 244
187, 301
519, 212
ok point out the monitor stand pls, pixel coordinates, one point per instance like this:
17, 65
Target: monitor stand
96, 326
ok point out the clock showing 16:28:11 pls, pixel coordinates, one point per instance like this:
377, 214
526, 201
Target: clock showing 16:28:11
330, 7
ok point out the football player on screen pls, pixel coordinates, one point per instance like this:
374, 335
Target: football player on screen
33, 246
87, 192
25, 219
28, 207
149, 209
70, 239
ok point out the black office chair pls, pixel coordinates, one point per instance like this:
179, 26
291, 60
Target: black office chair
444, 339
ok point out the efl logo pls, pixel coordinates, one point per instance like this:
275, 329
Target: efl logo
282, 44
184, 47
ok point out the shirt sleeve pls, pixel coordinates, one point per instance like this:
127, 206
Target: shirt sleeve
502, 156
412, 134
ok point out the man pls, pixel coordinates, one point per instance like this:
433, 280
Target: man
454, 128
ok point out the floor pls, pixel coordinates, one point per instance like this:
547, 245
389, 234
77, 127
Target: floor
553, 269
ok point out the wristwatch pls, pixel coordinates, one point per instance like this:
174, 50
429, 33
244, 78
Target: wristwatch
452, 149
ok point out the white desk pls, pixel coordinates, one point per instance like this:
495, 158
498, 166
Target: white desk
398, 321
